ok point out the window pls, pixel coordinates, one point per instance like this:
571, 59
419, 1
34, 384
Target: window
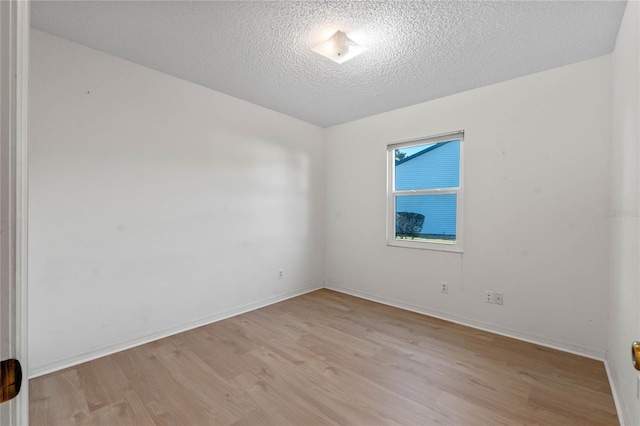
425, 193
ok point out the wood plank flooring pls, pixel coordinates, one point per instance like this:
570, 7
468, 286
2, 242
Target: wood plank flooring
328, 358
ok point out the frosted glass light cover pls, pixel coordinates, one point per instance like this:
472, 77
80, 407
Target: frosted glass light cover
339, 48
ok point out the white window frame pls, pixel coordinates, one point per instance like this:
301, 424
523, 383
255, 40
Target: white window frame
392, 194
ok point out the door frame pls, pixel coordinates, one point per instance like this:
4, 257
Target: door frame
23, 27
15, 36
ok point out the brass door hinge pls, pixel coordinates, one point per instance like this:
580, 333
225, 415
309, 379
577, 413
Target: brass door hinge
635, 355
11, 378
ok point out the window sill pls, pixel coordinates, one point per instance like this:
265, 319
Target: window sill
451, 248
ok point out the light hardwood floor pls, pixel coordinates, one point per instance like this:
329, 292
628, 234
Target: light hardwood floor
329, 358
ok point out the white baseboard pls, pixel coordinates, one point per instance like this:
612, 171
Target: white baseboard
492, 328
39, 370
50, 367
623, 414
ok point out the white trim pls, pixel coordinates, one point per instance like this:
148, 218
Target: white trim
442, 137
412, 192
425, 245
60, 364
623, 416
515, 334
22, 196
480, 325
15, 80
392, 194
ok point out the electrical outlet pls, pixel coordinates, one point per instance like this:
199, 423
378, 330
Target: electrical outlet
444, 287
488, 297
280, 274
497, 298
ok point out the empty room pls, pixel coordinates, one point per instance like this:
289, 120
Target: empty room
328, 212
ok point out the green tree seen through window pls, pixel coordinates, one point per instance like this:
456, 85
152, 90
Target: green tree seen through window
400, 155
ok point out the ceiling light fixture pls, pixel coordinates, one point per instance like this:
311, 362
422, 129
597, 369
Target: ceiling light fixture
339, 48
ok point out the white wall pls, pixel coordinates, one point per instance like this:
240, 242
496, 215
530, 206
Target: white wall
157, 204
537, 175
624, 324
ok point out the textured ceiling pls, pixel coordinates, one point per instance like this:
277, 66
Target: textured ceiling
417, 51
